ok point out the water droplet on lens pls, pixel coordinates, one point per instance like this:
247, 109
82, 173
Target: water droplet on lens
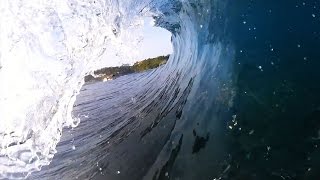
251, 132
309, 169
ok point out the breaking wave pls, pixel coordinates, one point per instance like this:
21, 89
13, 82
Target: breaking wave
47, 47
237, 99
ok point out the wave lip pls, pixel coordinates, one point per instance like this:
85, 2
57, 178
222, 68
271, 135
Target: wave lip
46, 48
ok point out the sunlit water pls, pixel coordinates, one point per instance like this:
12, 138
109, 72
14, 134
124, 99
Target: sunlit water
238, 98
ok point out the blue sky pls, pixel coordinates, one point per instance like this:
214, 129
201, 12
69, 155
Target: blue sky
156, 42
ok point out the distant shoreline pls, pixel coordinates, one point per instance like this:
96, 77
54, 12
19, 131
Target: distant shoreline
110, 73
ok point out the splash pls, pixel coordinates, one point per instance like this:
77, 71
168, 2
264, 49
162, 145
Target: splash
46, 48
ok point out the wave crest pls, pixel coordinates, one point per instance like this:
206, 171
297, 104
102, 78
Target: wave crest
46, 48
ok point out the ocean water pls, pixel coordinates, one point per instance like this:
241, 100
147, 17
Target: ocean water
238, 98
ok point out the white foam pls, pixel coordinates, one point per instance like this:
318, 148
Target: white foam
46, 48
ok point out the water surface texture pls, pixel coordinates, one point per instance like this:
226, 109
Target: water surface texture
238, 99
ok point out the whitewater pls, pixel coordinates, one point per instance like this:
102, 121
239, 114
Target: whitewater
237, 99
47, 47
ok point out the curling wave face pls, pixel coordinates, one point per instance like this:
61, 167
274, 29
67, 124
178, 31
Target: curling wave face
238, 99
47, 47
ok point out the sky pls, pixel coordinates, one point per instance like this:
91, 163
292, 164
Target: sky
156, 42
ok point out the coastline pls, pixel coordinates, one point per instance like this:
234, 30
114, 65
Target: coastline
110, 73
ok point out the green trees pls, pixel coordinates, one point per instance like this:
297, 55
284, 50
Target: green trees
150, 63
113, 72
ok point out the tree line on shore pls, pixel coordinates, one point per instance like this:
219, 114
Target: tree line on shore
114, 72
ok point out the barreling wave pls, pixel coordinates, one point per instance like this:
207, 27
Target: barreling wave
47, 47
